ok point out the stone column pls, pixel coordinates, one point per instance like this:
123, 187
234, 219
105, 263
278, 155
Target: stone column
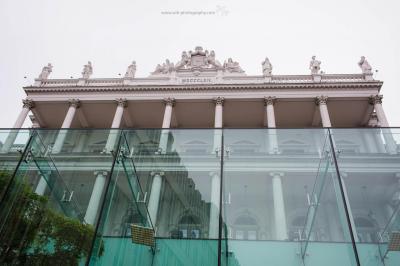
27, 106
42, 185
323, 109
272, 134
169, 104
62, 134
116, 123
214, 205
279, 207
218, 123
391, 145
95, 198
155, 193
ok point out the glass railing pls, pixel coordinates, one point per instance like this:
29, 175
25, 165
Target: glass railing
205, 196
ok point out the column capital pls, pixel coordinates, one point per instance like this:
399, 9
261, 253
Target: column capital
219, 100
375, 99
154, 173
169, 101
103, 173
277, 174
28, 103
321, 100
121, 102
74, 103
214, 173
269, 100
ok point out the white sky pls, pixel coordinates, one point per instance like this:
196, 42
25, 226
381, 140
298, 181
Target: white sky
111, 34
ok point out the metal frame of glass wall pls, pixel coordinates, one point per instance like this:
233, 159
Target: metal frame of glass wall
209, 196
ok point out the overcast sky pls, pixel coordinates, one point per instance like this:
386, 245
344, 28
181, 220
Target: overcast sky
111, 34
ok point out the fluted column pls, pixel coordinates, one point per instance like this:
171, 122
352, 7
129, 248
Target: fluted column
214, 205
26, 107
155, 193
391, 145
218, 123
272, 137
73, 105
95, 198
279, 207
169, 104
321, 101
116, 123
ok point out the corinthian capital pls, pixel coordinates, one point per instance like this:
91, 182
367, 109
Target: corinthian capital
321, 100
375, 99
270, 100
121, 102
74, 103
169, 101
219, 100
28, 103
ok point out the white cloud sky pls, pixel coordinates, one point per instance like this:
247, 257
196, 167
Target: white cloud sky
111, 34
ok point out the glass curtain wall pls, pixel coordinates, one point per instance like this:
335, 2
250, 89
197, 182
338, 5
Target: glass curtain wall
208, 197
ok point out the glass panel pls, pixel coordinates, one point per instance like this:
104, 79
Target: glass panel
279, 194
369, 165
45, 228
12, 144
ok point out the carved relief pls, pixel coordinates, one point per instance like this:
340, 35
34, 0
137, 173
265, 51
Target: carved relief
28, 103
321, 100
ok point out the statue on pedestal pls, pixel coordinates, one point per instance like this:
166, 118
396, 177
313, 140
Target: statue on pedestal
46, 70
365, 66
266, 67
315, 65
131, 71
87, 70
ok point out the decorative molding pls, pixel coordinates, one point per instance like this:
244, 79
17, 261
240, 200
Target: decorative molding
169, 101
321, 100
375, 99
28, 103
270, 100
121, 102
74, 103
219, 100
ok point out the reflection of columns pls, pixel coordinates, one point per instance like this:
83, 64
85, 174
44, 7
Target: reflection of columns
27, 106
279, 207
323, 109
272, 137
154, 200
391, 145
369, 137
73, 105
169, 104
42, 185
95, 198
218, 123
112, 137
214, 205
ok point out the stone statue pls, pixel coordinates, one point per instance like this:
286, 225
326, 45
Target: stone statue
210, 60
315, 65
158, 70
232, 66
165, 68
131, 71
266, 67
185, 61
46, 70
365, 66
87, 70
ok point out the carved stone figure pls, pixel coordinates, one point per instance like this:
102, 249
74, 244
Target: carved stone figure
165, 68
315, 65
46, 70
232, 66
159, 69
267, 67
210, 60
185, 61
365, 66
131, 71
87, 70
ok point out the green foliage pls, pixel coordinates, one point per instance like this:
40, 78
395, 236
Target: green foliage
32, 233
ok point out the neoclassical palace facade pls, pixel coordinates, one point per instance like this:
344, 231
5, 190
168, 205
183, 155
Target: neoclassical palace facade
202, 164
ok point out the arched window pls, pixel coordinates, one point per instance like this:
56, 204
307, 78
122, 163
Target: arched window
367, 229
246, 227
189, 226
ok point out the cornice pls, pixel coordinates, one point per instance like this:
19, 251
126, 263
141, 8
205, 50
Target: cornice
205, 87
